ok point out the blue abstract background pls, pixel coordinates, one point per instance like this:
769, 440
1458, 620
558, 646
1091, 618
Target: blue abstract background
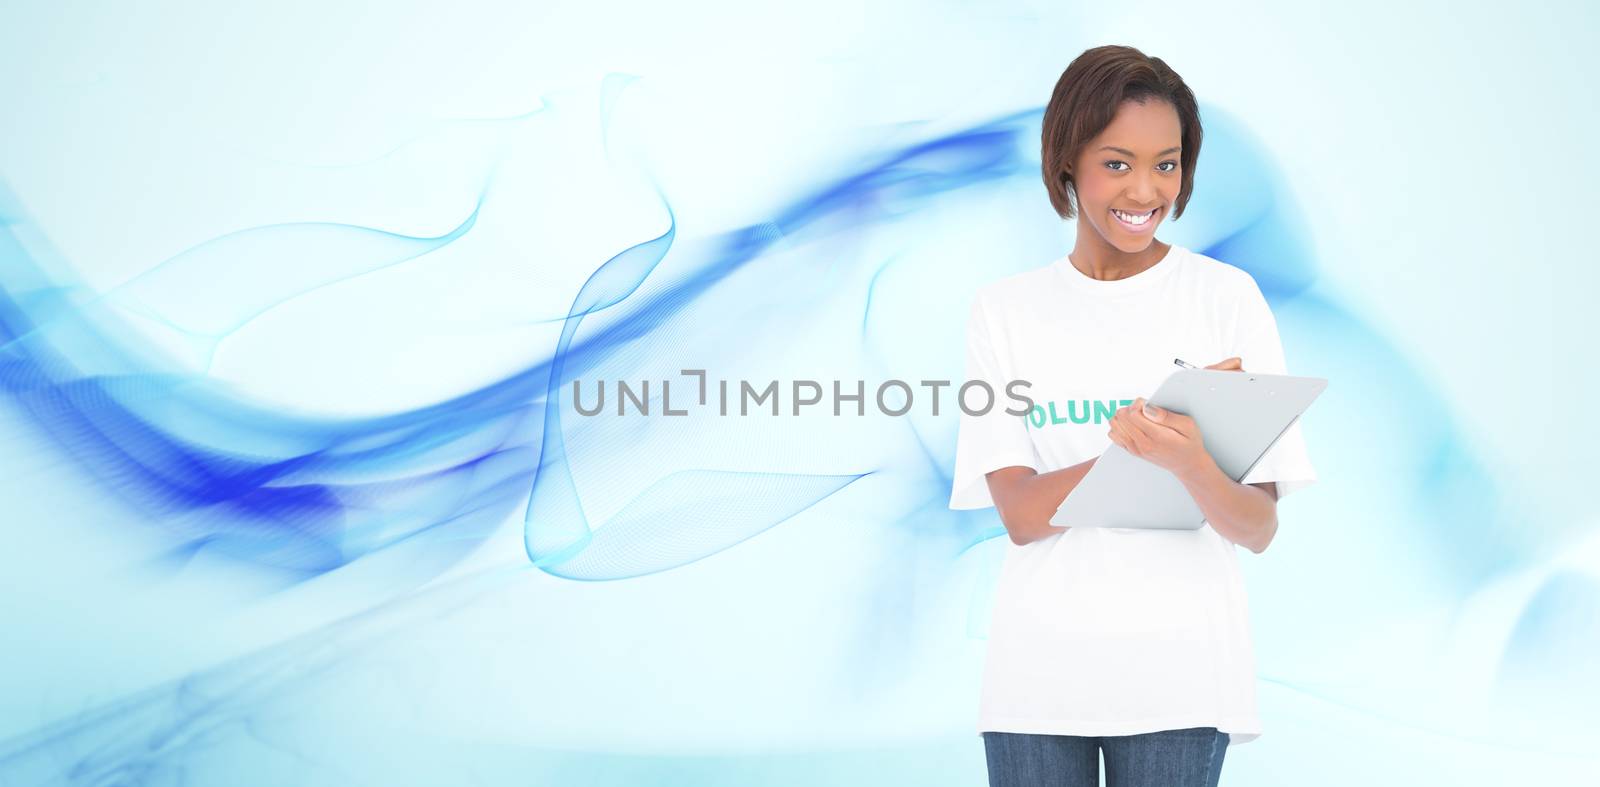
292, 297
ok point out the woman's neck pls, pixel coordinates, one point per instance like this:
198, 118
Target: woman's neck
1097, 259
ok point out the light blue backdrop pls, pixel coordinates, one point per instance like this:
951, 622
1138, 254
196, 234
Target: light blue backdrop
283, 291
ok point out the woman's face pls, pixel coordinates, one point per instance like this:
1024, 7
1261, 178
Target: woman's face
1128, 177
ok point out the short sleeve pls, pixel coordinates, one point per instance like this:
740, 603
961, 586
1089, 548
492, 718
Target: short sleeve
1259, 348
994, 439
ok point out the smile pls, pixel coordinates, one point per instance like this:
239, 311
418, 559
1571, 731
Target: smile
1135, 222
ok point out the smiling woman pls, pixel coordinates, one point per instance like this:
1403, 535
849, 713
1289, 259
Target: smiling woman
1130, 643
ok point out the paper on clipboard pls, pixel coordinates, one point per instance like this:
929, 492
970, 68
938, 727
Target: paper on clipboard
1241, 415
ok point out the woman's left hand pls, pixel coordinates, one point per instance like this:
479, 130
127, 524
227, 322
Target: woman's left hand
1164, 438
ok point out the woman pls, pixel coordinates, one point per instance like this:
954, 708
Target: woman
1134, 644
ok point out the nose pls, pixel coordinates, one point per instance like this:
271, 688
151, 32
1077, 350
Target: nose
1143, 190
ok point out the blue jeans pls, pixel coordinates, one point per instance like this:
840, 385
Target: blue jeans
1170, 758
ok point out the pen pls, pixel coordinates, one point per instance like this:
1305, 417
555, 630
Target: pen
1184, 364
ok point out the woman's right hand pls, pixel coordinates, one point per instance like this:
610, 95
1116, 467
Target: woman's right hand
1228, 364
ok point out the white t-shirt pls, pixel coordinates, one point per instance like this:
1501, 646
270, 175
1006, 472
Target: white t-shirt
1114, 631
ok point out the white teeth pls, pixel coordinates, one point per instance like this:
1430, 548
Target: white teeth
1132, 219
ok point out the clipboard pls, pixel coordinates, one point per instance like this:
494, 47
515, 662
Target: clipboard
1241, 415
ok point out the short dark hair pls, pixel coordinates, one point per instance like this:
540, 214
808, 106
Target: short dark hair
1086, 100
